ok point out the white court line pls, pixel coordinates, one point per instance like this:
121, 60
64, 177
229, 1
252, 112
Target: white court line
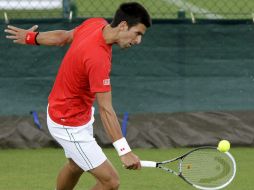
193, 8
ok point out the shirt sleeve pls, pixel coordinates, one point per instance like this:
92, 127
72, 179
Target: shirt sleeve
99, 74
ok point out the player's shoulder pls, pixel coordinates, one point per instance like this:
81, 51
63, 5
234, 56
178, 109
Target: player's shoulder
89, 26
94, 21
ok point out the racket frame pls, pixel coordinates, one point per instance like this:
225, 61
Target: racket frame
179, 173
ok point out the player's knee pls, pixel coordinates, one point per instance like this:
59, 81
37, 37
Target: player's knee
114, 184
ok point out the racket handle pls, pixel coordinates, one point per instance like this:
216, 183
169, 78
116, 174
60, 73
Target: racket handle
149, 164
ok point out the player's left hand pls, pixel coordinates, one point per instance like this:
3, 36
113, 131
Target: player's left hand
18, 35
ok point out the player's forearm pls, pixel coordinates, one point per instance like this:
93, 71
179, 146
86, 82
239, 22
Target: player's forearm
53, 38
110, 123
31, 37
112, 126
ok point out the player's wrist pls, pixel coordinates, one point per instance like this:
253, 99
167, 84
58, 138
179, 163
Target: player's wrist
31, 38
122, 147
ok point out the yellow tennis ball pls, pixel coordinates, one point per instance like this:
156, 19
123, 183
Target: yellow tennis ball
223, 146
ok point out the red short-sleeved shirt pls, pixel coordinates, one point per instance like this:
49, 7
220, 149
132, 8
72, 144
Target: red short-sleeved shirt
84, 71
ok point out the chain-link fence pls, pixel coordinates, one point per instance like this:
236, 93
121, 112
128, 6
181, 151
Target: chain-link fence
162, 9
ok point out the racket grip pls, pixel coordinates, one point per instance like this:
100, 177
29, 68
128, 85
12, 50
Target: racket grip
148, 164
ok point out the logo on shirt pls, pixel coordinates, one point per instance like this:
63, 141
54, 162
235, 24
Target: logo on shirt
106, 82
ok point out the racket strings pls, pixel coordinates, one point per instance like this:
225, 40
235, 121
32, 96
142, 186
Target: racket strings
207, 168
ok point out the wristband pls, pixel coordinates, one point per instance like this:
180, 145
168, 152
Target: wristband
31, 38
121, 146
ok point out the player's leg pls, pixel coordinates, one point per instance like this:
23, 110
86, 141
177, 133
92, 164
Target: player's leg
68, 176
80, 145
107, 177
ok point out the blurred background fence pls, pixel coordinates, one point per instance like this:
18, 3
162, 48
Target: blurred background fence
161, 9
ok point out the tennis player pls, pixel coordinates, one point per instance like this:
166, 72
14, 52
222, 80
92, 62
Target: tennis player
84, 76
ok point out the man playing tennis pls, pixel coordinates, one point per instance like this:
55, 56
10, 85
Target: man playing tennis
83, 76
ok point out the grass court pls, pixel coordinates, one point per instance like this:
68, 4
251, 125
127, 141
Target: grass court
37, 169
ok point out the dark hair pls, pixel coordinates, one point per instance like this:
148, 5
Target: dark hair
133, 13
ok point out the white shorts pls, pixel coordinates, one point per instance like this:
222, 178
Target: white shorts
78, 144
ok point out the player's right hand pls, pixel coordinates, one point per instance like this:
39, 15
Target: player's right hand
131, 161
18, 35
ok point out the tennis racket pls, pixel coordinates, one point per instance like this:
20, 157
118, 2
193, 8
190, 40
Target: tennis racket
204, 168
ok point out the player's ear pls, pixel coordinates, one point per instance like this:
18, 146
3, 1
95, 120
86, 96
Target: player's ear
123, 26
34, 28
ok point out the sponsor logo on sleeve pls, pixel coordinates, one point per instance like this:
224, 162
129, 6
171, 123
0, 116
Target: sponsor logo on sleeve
106, 82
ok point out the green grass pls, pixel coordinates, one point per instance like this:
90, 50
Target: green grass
37, 169
233, 9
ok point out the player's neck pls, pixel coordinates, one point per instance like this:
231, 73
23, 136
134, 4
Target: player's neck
110, 34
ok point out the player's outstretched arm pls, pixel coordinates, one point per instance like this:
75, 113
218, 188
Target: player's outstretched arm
50, 38
113, 129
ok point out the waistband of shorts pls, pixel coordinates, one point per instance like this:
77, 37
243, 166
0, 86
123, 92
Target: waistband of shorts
60, 125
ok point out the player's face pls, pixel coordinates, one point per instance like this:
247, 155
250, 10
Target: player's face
131, 36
